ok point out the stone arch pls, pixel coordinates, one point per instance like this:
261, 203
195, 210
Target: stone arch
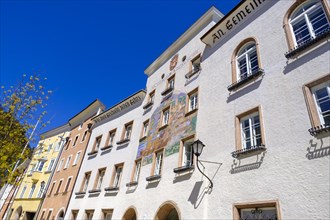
168, 211
130, 214
17, 214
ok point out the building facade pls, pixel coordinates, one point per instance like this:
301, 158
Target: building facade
34, 184
65, 173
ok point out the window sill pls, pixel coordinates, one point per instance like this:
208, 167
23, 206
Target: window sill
319, 129
80, 193
124, 141
191, 112
94, 191
241, 82
163, 127
143, 138
48, 171
191, 73
111, 189
238, 153
183, 169
167, 91
148, 105
106, 147
307, 44
92, 153
153, 178
133, 183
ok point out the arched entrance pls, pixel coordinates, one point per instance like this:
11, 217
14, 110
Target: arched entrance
168, 211
130, 214
17, 214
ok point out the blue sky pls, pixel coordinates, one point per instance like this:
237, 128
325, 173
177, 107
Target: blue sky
90, 49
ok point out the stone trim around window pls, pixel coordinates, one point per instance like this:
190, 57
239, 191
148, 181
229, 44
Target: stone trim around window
256, 204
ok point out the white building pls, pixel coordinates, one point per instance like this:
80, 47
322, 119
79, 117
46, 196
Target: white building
253, 86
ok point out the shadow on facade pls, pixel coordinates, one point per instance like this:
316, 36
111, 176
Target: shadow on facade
313, 53
251, 86
122, 146
314, 151
239, 165
180, 178
106, 151
152, 184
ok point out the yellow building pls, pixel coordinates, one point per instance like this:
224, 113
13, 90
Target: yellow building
35, 182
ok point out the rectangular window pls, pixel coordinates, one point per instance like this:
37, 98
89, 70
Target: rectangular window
165, 116
49, 148
75, 141
145, 128
152, 97
169, 86
41, 190
85, 182
68, 144
137, 169
249, 129
127, 131
111, 137
259, 210
58, 145
68, 184
33, 167
76, 159
99, 179
158, 163
321, 95
192, 100
97, 143
60, 165
107, 214
187, 153
40, 165
195, 66
23, 191
84, 136
51, 165
51, 189
67, 162
59, 187
32, 190
117, 175
89, 214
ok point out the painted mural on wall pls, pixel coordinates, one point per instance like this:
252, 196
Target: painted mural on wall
179, 126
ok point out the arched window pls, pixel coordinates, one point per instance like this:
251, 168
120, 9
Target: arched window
247, 61
308, 21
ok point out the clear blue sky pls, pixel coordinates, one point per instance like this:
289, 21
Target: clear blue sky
90, 49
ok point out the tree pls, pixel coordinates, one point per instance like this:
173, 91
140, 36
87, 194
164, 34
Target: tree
20, 108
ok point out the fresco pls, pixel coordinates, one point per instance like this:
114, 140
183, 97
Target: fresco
179, 126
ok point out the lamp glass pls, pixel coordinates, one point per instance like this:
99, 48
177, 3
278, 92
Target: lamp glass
198, 147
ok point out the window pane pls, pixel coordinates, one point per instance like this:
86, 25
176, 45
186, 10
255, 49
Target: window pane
319, 21
322, 97
254, 62
242, 68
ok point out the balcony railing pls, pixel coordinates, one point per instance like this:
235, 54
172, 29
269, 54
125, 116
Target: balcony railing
249, 150
242, 81
319, 129
306, 44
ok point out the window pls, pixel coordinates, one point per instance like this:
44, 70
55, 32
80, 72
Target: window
317, 96
41, 190
117, 175
67, 162
308, 21
187, 153
97, 143
67, 184
60, 165
127, 131
84, 136
23, 191
76, 159
99, 179
32, 190
247, 61
85, 182
145, 128
49, 148
169, 85
33, 167
51, 165
165, 116
59, 187
249, 130
107, 214
49, 214
40, 165
75, 141
111, 137
58, 145
158, 161
136, 171
258, 211
192, 100
89, 214
151, 99
40, 149
51, 189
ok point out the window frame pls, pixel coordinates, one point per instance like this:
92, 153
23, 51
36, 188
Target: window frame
192, 93
84, 136
238, 128
145, 129
124, 132
23, 191
114, 176
77, 158
51, 188
59, 187
154, 163
256, 204
59, 167
67, 185
85, 182
67, 163
136, 170
33, 188
111, 138
193, 69
164, 123
182, 151
99, 179
97, 144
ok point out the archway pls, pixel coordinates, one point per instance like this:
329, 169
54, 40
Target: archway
130, 214
17, 214
168, 211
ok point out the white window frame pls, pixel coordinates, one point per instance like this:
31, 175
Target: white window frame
253, 135
245, 54
51, 165
166, 116
187, 144
100, 178
42, 189
84, 136
193, 101
50, 146
118, 174
158, 163
40, 166
76, 159
67, 162
86, 181
33, 187
145, 128
138, 164
60, 165
75, 141
23, 192
112, 135
317, 101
